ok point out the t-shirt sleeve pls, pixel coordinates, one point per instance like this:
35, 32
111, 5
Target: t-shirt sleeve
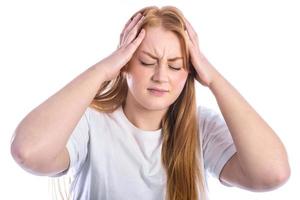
218, 146
77, 145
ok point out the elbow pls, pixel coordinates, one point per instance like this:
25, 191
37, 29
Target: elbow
271, 181
25, 160
280, 178
24, 156
31, 160
17, 150
20, 155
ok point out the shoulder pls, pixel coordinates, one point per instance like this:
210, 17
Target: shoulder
209, 120
206, 114
92, 114
97, 118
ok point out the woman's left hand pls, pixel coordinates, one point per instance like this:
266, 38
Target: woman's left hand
205, 71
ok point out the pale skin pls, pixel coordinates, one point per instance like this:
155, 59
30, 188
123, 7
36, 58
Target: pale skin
153, 65
39, 141
260, 163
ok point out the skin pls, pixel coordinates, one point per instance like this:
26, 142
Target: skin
39, 142
142, 108
260, 163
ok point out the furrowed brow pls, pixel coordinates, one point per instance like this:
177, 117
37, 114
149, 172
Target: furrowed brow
156, 58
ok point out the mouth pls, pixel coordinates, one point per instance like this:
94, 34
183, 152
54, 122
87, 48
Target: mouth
157, 91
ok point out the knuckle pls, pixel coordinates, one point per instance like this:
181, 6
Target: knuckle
125, 31
131, 34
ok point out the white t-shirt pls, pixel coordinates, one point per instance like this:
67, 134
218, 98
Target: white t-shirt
111, 159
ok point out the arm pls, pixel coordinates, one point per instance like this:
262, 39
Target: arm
39, 143
261, 161
40, 138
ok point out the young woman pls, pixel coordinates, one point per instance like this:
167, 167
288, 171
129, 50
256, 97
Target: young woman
129, 128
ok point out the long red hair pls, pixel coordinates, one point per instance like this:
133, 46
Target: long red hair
181, 147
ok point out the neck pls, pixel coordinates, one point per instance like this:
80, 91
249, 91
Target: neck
141, 117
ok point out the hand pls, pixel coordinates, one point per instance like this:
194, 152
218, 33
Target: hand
205, 71
129, 42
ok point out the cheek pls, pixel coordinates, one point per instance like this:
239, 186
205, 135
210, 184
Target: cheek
136, 78
179, 81
135, 71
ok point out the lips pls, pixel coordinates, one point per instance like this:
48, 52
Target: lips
158, 89
158, 92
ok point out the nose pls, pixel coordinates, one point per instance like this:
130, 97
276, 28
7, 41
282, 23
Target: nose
160, 74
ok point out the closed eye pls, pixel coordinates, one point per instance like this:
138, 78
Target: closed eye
150, 64
147, 64
174, 68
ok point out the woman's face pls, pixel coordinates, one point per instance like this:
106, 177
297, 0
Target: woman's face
156, 65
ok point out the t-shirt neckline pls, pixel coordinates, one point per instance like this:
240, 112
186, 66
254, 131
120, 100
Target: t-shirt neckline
136, 129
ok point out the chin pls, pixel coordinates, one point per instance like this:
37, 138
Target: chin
155, 105
151, 103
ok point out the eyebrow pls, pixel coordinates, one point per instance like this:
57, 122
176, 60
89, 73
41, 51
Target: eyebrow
156, 58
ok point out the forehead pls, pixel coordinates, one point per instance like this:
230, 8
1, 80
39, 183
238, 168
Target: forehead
161, 43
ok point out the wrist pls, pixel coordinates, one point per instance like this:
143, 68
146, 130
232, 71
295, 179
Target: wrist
99, 69
215, 78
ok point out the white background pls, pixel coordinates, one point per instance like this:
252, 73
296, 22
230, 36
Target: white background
45, 44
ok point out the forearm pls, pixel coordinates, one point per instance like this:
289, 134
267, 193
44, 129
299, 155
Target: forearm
259, 150
45, 130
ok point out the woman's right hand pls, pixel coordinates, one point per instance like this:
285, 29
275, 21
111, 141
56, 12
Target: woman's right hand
50, 124
112, 64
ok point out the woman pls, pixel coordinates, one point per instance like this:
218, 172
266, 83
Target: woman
128, 127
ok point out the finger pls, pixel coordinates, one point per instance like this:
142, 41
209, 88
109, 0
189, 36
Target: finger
130, 25
131, 35
123, 31
189, 26
192, 36
121, 35
135, 43
127, 27
128, 22
191, 32
134, 21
